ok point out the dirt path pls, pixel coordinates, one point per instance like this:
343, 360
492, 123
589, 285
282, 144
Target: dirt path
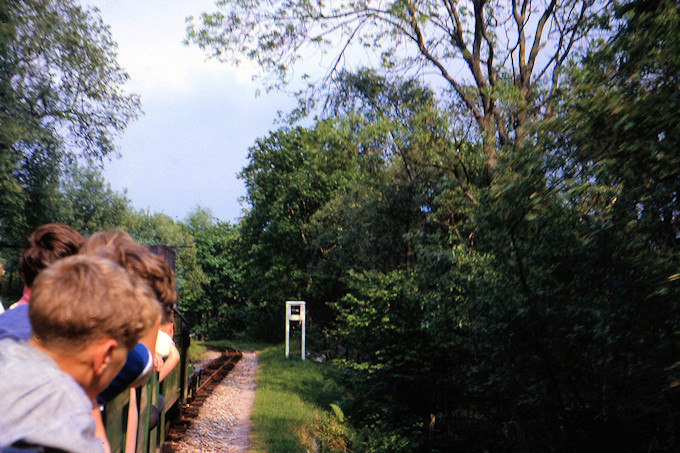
223, 424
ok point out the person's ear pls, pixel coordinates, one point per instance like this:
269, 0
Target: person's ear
104, 355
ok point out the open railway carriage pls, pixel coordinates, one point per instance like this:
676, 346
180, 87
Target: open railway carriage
174, 389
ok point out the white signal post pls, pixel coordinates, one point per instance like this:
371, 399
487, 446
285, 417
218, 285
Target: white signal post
295, 311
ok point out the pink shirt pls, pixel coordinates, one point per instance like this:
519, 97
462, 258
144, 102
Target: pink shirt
24, 298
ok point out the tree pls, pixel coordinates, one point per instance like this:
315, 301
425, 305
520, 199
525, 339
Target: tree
402, 142
292, 173
512, 54
90, 204
160, 229
564, 298
615, 146
622, 116
61, 98
62, 79
548, 308
221, 310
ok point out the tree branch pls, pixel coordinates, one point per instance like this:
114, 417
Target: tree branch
537, 43
419, 40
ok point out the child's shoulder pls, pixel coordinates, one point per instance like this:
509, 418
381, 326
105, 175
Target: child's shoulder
38, 397
21, 354
25, 367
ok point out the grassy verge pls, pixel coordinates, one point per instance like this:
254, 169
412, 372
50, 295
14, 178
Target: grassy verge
196, 350
294, 409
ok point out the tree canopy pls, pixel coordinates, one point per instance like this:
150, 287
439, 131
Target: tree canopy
61, 98
510, 287
501, 61
507, 281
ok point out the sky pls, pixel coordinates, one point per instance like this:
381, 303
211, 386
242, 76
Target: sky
200, 117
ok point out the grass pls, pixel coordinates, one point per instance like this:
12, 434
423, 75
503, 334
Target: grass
295, 408
196, 350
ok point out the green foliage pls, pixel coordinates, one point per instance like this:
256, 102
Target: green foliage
338, 412
500, 63
291, 175
290, 409
218, 310
382, 438
532, 311
623, 117
75, 195
330, 435
90, 203
160, 229
61, 99
63, 79
196, 351
526, 305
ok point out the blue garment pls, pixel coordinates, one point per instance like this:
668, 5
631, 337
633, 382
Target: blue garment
42, 406
138, 364
15, 324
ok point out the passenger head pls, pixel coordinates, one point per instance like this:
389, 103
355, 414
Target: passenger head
47, 244
118, 246
81, 298
81, 303
167, 315
167, 320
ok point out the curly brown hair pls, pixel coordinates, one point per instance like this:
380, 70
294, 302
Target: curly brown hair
119, 247
47, 244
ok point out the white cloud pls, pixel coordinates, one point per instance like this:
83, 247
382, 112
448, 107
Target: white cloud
200, 116
150, 35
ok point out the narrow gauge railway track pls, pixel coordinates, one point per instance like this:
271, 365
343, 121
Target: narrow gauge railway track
202, 383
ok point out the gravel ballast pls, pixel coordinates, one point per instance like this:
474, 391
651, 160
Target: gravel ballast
223, 424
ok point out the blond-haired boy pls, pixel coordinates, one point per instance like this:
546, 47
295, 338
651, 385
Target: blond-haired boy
86, 313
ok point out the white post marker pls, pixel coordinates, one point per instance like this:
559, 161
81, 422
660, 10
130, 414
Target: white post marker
295, 311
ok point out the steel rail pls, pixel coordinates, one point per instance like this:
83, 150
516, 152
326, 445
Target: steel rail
207, 379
